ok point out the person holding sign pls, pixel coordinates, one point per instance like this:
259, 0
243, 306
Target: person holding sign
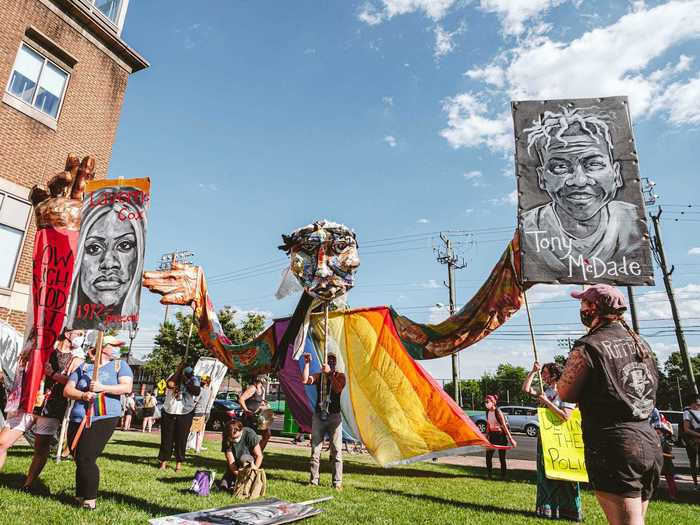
555, 499
95, 414
498, 433
612, 375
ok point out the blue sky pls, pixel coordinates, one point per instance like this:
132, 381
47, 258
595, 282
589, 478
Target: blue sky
392, 117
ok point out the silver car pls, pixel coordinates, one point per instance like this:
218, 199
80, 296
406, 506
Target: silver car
522, 419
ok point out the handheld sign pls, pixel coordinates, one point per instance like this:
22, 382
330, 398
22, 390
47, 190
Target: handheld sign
580, 206
562, 446
106, 287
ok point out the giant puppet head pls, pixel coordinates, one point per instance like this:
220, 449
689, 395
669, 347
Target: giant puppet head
323, 258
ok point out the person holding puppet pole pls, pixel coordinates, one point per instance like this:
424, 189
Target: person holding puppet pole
183, 387
612, 375
498, 433
96, 413
327, 417
555, 499
63, 361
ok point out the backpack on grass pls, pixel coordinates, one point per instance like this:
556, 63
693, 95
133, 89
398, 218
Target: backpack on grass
202, 482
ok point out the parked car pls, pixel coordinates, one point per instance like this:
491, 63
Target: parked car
519, 418
675, 417
222, 411
231, 396
478, 417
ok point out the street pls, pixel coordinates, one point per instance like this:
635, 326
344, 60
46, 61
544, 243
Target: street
527, 450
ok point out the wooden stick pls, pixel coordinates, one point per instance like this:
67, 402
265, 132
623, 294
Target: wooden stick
95, 375
532, 338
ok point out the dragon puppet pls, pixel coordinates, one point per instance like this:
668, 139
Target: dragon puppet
391, 404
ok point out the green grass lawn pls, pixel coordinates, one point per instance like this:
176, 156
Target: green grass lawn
133, 490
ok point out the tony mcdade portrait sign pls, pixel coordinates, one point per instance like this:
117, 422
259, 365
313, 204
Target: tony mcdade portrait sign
580, 208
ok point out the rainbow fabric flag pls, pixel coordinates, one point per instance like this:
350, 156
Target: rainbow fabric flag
390, 402
99, 405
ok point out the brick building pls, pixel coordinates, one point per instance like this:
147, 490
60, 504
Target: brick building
63, 72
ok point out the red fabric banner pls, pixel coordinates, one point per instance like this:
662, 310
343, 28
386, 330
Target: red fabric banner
54, 256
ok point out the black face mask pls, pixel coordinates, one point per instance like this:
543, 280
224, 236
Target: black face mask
587, 318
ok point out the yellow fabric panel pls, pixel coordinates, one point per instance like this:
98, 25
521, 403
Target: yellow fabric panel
389, 412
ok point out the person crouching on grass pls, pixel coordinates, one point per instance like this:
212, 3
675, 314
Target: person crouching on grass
498, 433
114, 379
240, 445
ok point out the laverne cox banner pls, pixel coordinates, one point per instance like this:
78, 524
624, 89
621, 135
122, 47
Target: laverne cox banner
106, 288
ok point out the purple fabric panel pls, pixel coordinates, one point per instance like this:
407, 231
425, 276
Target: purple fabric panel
290, 377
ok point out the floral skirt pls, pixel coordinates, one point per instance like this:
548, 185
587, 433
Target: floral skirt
556, 499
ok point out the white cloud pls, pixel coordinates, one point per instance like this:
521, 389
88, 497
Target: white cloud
445, 41
209, 187
510, 199
617, 56
694, 251
469, 210
655, 305
469, 124
423, 221
472, 175
430, 284
515, 13
391, 140
388, 101
310, 51
372, 14
491, 74
541, 293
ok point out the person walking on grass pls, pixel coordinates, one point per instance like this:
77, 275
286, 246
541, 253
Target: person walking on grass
691, 435
555, 499
149, 411
129, 411
114, 378
199, 421
176, 419
498, 433
49, 416
612, 375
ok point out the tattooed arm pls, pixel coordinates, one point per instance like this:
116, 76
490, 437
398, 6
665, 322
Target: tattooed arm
576, 372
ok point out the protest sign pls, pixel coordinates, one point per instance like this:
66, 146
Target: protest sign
562, 446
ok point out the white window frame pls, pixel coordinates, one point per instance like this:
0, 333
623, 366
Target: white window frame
117, 24
36, 91
13, 273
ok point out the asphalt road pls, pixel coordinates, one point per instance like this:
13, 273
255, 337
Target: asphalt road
527, 450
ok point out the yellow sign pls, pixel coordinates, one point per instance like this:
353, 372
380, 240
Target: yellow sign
161, 386
562, 446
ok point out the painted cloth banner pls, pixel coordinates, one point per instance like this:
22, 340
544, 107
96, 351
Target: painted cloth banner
562, 446
53, 261
492, 305
270, 511
216, 370
580, 205
106, 287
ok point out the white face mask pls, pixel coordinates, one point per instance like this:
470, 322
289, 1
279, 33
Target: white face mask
77, 342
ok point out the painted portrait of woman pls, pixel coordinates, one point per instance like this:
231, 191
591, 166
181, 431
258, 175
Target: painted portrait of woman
106, 286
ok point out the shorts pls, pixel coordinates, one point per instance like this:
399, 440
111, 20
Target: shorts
625, 461
198, 424
149, 411
497, 438
20, 421
46, 426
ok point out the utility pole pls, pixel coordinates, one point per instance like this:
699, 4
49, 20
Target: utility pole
680, 397
633, 310
448, 257
166, 263
680, 337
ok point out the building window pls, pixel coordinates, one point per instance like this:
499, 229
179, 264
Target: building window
13, 224
109, 8
38, 81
